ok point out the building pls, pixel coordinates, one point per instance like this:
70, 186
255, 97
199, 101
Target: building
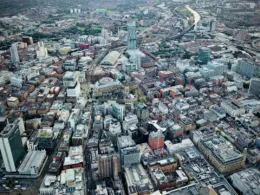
70, 181
70, 79
118, 111
129, 156
12, 102
33, 162
115, 127
11, 146
217, 67
46, 139
153, 126
106, 86
204, 55
218, 111
70, 65
248, 68
233, 108
110, 59
41, 51
173, 148
108, 165
129, 67
247, 181
166, 164
156, 140
130, 121
142, 112
222, 154
164, 180
14, 53
254, 87
131, 38
137, 180
129, 152
74, 158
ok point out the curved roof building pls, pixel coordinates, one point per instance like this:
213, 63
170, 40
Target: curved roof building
111, 58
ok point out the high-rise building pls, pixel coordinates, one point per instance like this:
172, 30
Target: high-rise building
118, 111
212, 26
14, 53
11, 146
156, 140
130, 155
108, 165
129, 152
248, 68
131, 39
142, 112
204, 55
254, 87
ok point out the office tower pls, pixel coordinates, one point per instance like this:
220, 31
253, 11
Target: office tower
130, 155
118, 111
212, 26
254, 87
204, 55
248, 68
156, 140
142, 112
108, 165
131, 39
14, 53
11, 146
129, 152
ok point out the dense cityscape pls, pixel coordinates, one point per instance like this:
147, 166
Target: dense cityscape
130, 97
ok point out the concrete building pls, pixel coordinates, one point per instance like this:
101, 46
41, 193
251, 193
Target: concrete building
204, 55
70, 181
247, 181
254, 87
142, 112
218, 111
156, 140
233, 108
14, 53
217, 67
11, 146
32, 163
118, 111
70, 65
222, 154
248, 68
46, 139
137, 180
108, 165
115, 127
172, 148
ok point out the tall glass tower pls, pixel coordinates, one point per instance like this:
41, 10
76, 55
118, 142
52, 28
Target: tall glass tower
14, 53
131, 39
11, 146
